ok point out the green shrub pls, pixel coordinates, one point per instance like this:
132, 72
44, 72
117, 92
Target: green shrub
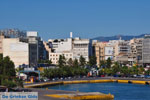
9, 84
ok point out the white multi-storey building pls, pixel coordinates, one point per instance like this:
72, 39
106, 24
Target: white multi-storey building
71, 48
122, 49
80, 47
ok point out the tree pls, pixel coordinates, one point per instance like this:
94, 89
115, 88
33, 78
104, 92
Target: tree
48, 62
108, 62
45, 61
70, 62
82, 61
7, 71
141, 70
115, 68
61, 61
147, 72
92, 61
75, 63
125, 71
1, 64
107, 71
8, 67
102, 64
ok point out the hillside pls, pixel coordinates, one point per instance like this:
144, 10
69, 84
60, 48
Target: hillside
123, 37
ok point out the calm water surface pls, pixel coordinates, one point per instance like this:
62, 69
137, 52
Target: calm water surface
119, 90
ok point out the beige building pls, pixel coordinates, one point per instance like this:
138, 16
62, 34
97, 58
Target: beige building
117, 50
122, 50
136, 50
103, 51
17, 51
99, 51
54, 57
23, 50
1, 43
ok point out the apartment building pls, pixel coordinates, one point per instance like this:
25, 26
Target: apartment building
136, 50
99, 51
1, 43
104, 50
71, 48
117, 50
146, 50
81, 47
54, 57
122, 49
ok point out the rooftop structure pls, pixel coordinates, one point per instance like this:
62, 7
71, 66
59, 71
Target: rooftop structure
13, 33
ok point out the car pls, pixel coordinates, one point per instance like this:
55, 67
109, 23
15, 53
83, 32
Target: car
53, 79
46, 79
3, 88
147, 76
69, 77
142, 76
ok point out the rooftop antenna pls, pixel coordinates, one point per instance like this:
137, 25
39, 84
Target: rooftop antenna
71, 34
120, 38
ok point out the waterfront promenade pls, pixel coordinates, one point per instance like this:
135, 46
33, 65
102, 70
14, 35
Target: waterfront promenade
43, 91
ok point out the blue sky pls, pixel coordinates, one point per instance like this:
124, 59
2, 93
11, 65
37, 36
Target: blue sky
85, 18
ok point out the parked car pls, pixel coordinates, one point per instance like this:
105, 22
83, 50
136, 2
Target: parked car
147, 76
46, 79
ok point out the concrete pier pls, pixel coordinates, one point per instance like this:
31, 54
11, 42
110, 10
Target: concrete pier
48, 94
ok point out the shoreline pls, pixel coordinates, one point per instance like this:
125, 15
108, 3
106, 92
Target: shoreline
89, 80
46, 94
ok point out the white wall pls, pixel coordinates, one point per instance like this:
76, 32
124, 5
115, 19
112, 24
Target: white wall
17, 51
109, 50
32, 33
64, 46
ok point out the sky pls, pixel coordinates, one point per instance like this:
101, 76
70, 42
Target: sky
85, 18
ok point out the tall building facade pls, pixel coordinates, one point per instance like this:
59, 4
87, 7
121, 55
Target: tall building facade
81, 47
122, 50
24, 50
116, 50
71, 48
146, 50
99, 51
17, 51
1, 43
136, 50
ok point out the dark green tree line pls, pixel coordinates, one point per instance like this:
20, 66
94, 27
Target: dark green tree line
7, 72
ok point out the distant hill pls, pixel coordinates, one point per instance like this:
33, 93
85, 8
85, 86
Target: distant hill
123, 37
